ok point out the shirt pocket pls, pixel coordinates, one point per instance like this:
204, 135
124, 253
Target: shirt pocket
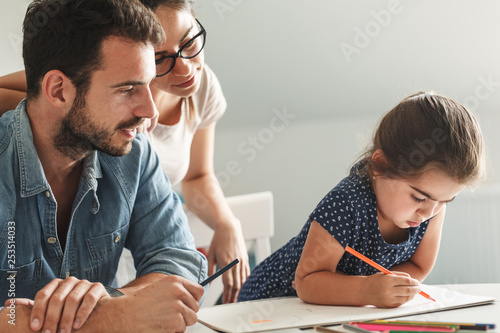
105, 253
20, 282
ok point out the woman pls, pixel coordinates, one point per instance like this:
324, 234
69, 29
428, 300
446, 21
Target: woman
189, 100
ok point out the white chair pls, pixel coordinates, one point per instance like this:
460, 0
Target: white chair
256, 214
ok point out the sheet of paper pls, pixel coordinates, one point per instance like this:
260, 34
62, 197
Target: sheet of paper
289, 312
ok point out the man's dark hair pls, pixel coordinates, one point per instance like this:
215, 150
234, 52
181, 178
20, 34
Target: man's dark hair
67, 35
179, 5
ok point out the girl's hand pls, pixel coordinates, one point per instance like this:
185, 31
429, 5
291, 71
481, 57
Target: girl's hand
391, 291
228, 244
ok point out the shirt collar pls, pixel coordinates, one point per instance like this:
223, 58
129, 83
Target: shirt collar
32, 176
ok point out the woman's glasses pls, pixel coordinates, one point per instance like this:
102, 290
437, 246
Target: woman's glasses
165, 63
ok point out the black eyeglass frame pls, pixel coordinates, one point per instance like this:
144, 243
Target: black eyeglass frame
178, 53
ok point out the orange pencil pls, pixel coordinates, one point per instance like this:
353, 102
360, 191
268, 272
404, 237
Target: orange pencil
380, 268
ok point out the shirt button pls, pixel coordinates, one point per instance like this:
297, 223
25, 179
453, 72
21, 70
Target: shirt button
47, 194
67, 274
117, 239
51, 240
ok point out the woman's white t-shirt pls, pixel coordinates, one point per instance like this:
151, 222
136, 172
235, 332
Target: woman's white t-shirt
173, 143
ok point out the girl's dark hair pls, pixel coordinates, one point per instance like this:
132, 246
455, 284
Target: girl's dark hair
425, 130
179, 5
67, 35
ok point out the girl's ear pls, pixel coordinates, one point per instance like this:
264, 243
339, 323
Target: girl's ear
379, 158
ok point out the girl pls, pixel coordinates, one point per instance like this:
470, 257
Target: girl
189, 99
390, 208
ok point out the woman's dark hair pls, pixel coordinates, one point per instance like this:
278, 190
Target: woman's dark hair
426, 130
67, 35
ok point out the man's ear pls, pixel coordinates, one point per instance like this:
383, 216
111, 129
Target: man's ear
58, 89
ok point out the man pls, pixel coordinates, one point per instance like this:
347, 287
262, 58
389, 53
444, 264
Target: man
77, 185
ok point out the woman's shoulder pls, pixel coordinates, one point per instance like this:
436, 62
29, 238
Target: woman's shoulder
209, 101
209, 84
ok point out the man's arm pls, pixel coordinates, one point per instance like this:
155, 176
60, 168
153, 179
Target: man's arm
141, 282
158, 236
15, 319
167, 305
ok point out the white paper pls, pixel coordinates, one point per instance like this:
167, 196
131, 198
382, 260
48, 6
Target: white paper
288, 312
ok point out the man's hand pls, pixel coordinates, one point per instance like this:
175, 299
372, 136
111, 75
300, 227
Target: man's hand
167, 305
63, 305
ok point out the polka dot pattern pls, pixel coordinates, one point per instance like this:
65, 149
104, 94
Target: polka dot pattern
349, 213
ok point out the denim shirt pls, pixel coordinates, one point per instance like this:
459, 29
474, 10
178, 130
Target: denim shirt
121, 202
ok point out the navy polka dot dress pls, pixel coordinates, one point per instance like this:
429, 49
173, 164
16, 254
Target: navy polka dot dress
349, 213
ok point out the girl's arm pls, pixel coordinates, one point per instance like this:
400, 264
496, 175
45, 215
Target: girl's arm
422, 262
12, 90
317, 282
203, 195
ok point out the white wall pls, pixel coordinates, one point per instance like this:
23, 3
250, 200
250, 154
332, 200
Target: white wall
11, 19
287, 55
292, 57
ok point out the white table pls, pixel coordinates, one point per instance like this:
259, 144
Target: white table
480, 314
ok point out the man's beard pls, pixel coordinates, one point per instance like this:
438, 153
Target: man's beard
78, 135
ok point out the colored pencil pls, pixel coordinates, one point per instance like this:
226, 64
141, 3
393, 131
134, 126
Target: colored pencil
412, 331
461, 326
326, 330
380, 268
219, 272
355, 328
384, 327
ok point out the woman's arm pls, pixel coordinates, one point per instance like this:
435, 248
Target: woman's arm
422, 262
14, 81
317, 281
9, 99
203, 195
12, 90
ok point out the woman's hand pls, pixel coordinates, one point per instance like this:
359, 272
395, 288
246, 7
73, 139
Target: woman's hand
228, 244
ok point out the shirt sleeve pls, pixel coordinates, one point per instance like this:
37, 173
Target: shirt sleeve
159, 237
335, 214
209, 98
